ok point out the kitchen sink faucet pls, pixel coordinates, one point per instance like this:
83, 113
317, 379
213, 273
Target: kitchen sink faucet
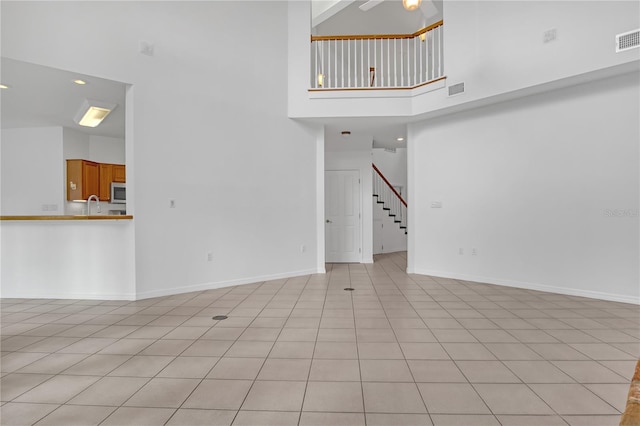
89, 204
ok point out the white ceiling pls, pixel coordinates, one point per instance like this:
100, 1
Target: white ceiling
40, 96
366, 133
388, 17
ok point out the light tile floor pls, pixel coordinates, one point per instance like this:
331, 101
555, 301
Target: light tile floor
398, 350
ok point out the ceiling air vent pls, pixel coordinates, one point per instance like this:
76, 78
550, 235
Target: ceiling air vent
628, 40
456, 89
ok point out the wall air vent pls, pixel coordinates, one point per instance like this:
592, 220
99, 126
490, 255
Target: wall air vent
392, 150
456, 89
628, 40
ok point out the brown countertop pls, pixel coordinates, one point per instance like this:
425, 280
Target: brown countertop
69, 217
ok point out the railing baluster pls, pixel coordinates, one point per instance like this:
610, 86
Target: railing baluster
439, 52
415, 62
433, 58
389, 61
402, 63
375, 57
342, 61
349, 63
335, 62
394, 53
362, 63
329, 73
421, 75
381, 67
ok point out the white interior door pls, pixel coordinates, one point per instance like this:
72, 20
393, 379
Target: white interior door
342, 216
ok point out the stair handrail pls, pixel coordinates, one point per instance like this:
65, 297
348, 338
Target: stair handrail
389, 184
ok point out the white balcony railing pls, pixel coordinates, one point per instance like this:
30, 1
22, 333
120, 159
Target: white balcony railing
397, 61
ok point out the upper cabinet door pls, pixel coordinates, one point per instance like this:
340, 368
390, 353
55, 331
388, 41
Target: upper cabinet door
82, 179
106, 177
119, 173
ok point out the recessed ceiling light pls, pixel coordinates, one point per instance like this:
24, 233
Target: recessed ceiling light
80, 82
400, 139
3, 86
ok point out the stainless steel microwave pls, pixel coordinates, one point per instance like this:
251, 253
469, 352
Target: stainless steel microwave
118, 193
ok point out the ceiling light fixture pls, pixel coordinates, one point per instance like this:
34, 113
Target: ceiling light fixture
346, 134
400, 139
93, 112
411, 4
80, 82
3, 86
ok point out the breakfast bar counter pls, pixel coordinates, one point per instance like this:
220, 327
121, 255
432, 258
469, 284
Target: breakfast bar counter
69, 217
68, 257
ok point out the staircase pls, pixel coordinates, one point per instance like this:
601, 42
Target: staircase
391, 201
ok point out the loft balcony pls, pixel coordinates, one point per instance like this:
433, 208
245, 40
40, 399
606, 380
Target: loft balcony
391, 62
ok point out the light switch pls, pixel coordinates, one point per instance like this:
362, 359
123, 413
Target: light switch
436, 204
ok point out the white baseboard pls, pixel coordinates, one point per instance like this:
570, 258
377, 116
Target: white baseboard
80, 296
222, 284
532, 286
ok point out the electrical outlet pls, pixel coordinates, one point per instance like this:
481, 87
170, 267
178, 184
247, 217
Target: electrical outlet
474, 252
209, 257
172, 204
303, 248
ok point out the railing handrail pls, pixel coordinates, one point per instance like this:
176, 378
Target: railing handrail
377, 36
346, 89
389, 184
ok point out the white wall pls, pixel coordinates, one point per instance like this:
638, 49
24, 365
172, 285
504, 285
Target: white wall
545, 188
31, 174
106, 150
209, 130
358, 160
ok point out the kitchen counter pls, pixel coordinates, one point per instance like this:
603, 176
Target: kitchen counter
69, 217
68, 257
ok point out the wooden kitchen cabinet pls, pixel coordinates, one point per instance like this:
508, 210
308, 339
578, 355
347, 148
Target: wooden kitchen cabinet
119, 173
83, 179
106, 177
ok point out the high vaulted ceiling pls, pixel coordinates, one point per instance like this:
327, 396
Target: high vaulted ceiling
386, 17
